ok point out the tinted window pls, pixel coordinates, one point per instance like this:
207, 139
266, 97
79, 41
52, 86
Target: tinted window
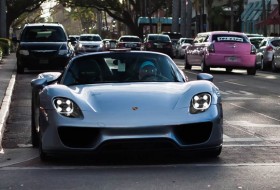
129, 39
275, 43
229, 38
43, 34
159, 38
90, 38
118, 67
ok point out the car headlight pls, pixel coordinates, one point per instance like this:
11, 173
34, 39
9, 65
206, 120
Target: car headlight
24, 52
200, 103
67, 107
63, 50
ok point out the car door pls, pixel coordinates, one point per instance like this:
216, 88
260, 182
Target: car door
261, 51
194, 52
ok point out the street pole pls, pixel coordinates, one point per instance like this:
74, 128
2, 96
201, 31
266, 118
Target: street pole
264, 18
3, 29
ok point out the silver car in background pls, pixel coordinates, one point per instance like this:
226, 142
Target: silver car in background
266, 53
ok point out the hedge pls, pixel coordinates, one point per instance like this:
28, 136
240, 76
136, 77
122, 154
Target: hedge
6, 45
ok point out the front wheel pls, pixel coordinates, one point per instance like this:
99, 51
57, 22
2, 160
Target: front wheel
34, 121
251, 71
187, 65
20, 68
273, 66
204, 67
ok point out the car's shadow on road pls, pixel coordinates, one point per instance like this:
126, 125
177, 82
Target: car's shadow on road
130, 158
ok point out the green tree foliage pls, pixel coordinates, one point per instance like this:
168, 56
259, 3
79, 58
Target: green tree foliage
16, 8
125, 11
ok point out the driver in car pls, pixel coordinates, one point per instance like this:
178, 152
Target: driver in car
147, 70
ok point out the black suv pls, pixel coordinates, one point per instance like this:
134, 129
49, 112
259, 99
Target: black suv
43, 46
159, 43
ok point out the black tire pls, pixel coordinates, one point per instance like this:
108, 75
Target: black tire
187, 65
34, 121
251, 71
215, 153
228, 70
43, 155
204, 68
273, 67
20, 68
263, 66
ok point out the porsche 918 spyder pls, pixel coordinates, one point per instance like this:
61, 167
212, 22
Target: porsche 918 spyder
125, 99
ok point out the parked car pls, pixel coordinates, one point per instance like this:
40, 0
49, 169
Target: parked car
109, 44
115, 100
181, 46
129, 41
74, 39
265, 53
159, 43
223, 49
275, 65
256, 41
43, 46
89, 43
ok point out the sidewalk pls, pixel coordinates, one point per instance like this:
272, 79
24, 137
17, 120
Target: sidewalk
7, 81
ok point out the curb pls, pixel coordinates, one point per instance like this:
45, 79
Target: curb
5, 106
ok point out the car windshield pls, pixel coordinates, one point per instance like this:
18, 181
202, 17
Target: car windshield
130, 39
43, 34
161, 38
121, 67
90, 38
275, 43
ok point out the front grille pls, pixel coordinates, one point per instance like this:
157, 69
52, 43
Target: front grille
78, 137
193, 133
43, 53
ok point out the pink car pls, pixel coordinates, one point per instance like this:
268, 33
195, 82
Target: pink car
223, 49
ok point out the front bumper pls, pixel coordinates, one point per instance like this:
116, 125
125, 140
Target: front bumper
230, 60
181, 132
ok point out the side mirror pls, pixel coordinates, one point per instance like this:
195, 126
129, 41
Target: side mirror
205, 76
39, 83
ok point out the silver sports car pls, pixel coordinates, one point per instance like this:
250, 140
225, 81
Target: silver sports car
125, 99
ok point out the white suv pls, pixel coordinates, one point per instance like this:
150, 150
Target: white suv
89, 43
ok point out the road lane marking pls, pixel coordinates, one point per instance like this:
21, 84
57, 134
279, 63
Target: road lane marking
251, 139
4, 107
255, 112
230, 82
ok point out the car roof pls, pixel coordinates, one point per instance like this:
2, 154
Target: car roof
227, 32
43, 24
130, 36
89, 35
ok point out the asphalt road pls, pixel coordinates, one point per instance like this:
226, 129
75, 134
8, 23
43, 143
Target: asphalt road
250, 158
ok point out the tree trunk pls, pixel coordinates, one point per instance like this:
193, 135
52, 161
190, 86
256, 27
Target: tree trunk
183, 28
189, 32
175, 15
3, 29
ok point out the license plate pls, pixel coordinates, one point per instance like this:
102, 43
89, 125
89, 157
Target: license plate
233, 59
43, 61
159, 46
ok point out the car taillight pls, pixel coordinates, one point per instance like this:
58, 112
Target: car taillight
120, 45
149, 45
253, 50
211, 48
269, 48
169, 45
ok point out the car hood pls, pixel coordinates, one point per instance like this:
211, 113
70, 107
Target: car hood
113, 97
145, 97
90, 42
42, 45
